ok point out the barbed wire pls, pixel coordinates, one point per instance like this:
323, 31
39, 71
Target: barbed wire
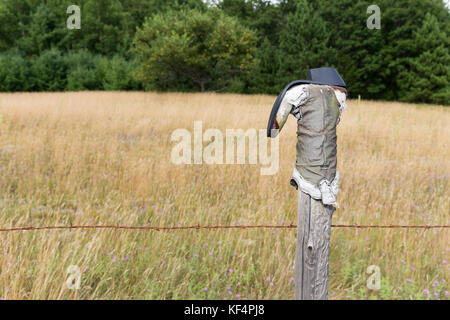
198, 227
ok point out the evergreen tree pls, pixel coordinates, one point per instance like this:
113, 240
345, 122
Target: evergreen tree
138, 10
371, 60
103, 27
427, 77
15, 72
14, 16
40, 33
400, 21
304, 44
263, 79
49, 71
358, 59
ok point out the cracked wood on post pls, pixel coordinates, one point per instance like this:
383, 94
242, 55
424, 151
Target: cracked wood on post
313, 248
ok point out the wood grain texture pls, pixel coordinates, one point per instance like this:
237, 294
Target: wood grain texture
313, 248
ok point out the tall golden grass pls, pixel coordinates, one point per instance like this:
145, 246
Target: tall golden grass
104, 158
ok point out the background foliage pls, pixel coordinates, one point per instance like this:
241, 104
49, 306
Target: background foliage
243, 46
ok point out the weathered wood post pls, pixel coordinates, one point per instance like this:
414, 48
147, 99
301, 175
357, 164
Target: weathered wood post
313, 248
317, 103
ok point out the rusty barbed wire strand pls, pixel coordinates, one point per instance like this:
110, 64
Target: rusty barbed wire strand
197, 227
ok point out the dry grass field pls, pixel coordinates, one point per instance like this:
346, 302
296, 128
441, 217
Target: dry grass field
104, 158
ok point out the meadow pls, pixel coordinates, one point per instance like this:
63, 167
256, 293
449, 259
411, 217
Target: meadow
104, 158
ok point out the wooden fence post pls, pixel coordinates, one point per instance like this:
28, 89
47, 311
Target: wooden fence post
313, 248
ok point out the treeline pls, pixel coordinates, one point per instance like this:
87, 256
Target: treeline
74, 70
243, 46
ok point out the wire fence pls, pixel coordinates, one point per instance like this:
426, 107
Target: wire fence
198, 227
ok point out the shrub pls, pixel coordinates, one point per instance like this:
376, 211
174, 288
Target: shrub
14, 71
83, 71
118, 74
49, 71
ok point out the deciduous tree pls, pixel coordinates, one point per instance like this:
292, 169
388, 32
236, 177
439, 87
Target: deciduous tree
204, 48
